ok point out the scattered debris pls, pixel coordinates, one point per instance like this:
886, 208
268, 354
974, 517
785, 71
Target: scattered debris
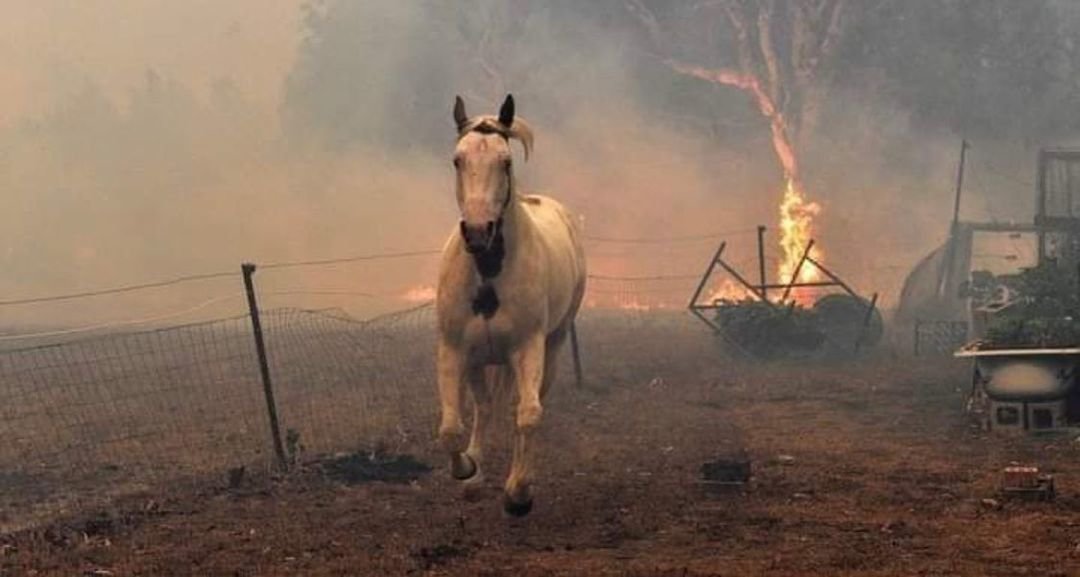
726, 473
1026, 482
785, 459
991, 504
727, 470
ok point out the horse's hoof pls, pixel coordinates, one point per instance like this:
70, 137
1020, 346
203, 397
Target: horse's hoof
515, 509
463, 467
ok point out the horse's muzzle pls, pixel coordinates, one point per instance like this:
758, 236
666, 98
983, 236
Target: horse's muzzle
478, 238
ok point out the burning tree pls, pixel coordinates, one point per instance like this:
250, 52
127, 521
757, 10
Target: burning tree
783, 54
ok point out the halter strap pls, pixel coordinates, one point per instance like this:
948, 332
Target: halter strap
484, 126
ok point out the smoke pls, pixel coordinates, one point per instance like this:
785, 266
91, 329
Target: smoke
144, 140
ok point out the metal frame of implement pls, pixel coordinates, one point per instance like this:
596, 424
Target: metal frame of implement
760, 291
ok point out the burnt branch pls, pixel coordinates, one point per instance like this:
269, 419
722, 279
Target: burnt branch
768, 51
736, 14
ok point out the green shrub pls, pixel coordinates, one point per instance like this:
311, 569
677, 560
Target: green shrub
1037, 332
1044, 314
770, 331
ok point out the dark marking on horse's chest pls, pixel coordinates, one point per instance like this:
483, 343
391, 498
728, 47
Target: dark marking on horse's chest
486, 301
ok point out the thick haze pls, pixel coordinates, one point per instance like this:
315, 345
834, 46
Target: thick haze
149, 139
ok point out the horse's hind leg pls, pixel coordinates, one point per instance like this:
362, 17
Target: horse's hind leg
551, 356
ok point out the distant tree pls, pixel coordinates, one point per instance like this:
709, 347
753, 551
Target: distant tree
388, 72
781, 53
985, 68
784, 53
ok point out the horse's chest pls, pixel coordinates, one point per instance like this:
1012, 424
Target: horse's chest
485, 302
491, 338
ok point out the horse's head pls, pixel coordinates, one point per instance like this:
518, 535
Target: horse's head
484, 166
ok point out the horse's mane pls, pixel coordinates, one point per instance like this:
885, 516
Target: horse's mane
487, 124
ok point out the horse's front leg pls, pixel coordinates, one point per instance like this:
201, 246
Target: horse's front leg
451, 372
527, 364
481, 387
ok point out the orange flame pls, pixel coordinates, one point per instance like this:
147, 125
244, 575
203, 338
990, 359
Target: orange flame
728, 291
796, 213
796, 229
626, 301
419, 294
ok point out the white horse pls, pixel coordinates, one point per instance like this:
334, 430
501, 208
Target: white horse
510, 284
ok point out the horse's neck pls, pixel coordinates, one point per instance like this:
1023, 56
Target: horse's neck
518, 232
517, 226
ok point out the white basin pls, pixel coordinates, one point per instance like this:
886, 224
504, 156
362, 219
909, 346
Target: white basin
1025, 374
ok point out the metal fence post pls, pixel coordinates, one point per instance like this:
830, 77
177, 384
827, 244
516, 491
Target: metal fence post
264, 366
577, 354
761, 261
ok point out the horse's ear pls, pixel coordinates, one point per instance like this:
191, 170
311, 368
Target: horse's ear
460, 118
506, 113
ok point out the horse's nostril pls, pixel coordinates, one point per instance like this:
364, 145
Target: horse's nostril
491, 227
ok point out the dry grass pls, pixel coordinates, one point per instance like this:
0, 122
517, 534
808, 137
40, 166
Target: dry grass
887, 478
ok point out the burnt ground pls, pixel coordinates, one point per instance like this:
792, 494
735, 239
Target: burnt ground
869, 468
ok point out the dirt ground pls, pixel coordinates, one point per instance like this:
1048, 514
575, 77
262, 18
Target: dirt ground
869, 468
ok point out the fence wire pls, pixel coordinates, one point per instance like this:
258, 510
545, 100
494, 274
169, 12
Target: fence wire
93, 418
89, 420
342, 384
94, 415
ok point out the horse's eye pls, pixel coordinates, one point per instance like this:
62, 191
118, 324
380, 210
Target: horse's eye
457, 162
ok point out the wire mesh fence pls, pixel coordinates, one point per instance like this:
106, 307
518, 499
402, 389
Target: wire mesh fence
89, 420
111, 414
939, 338
88, 414
345, 383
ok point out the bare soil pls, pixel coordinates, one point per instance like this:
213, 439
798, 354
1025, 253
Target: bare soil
866, 468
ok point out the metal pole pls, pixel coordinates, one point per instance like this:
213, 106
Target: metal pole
918, 323
754, 289
835, 278
264, 366
1040, 210
761, 260
946, 269
959, 183
577, 354
705, 277
866, 322
798, 269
